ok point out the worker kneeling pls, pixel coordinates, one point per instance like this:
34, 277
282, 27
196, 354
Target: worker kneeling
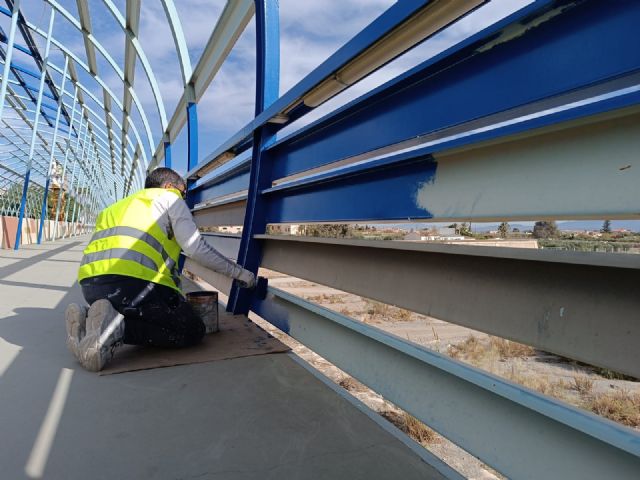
129, 274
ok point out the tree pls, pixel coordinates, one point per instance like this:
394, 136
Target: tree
544, 229
606, 226
465, 229
503, 229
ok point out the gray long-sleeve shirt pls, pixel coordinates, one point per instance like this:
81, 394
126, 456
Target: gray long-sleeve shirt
174, 218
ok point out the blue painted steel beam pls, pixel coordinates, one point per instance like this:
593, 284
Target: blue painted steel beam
17, 73
35, 89
474, 82
267, 87
380, 194
167, 154
192, 135
25, 70
229, 185
230, 177
350, 192
17, 46
397, 14
192, 156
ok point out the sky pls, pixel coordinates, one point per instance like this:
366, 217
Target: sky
310, 32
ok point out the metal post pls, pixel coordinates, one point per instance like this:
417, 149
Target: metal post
78, 160
72, 230
34, 133
94, 212
267, 90
67, 208
192, 134
7, 61
53, 148
76, 209
167, 153
192, 148
66, 157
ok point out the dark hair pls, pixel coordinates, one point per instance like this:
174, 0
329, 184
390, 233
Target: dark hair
161, 176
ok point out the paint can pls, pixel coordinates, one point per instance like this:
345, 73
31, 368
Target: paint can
205, 305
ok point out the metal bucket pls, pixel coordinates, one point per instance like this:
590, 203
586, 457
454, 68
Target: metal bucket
205, 305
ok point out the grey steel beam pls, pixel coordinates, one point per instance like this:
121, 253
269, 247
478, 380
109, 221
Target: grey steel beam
520, 433
107, 111
232, 22
218, 281
221, 215
579, 169
583, 306
85, 22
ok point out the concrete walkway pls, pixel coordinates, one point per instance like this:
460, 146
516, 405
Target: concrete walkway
251, 418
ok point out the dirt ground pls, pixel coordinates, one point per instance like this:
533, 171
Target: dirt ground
601, 392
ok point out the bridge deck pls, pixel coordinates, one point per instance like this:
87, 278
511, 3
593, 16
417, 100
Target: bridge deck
256, 417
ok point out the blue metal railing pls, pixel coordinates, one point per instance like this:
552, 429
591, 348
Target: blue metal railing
535, 116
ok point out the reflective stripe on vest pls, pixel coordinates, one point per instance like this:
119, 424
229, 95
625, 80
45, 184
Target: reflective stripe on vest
128, 241
132, 232
122, 254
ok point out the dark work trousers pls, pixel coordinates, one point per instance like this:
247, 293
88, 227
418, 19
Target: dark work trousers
162, 318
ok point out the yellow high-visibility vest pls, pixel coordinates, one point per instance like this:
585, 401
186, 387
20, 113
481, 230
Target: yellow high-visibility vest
128, 241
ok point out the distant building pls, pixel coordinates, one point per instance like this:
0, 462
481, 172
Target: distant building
235, 229
418, 237
285, 229
447, 232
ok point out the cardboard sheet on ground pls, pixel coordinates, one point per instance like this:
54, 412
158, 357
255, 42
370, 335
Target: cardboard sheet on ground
238, 337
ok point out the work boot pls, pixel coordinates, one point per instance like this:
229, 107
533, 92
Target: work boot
105, 332
75, 318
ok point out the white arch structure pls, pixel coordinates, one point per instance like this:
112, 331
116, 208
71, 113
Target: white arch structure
93, 155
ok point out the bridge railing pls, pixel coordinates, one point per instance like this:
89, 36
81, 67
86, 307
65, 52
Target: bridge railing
533, 117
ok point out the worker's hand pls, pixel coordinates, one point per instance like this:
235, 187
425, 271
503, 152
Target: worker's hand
246, 279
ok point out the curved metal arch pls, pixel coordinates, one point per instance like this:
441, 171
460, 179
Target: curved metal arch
179, 40
98, 79
146, 66
76, 24
101, 120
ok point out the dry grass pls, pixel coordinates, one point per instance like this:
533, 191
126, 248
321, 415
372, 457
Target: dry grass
472, 349
326, 298
350, 384
539, 383
582, 384
508, 349
411, 426
620, 406
477, 351
378, 309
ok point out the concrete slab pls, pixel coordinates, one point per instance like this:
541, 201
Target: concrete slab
258, 417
